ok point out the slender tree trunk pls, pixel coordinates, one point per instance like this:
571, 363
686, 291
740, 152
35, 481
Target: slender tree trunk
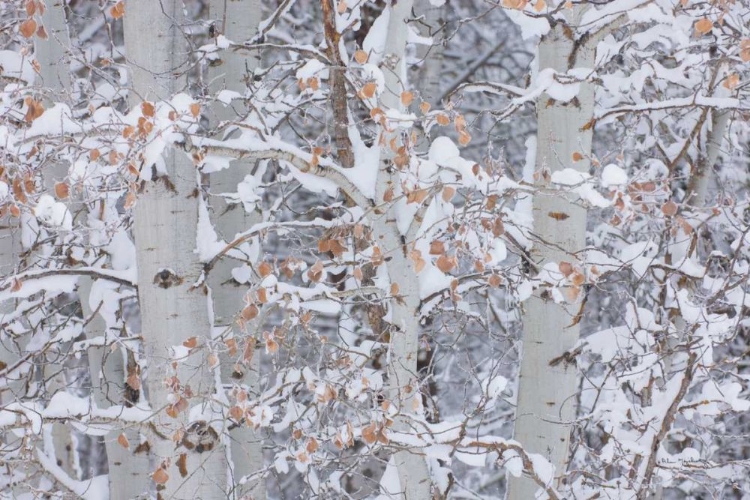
187, 447
546, 391
403, 379
55, 77
432, 67
238, 21
54, 65
128, 466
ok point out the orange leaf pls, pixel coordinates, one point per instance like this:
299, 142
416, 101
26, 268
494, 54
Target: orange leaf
123, 441
195, 109
669, 208
566, 268
61, 190
443, 119
495, 281
368, 90
745, 50
360, 56
191, 342
448, 193
445, 263
577, 156
424, 107
464, 138
703, 26
147, 109
264, 269
437, 247
30, 7
250, 312
27, 28
213, 360
407, 98
160, 476
118, 10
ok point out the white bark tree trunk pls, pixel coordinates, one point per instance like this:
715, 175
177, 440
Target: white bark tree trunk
403, 380
546, 392
238, 20
165, 229
128, 467
51, 54
55, 78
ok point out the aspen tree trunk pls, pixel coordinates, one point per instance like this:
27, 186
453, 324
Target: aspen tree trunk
12, 382
54, 65
55, 78
128, 467
165, 229
432, 67
237, 20
403, 379
546, 391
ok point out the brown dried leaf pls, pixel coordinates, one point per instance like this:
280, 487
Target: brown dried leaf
437, 247
669, 208
265, 269
445, 263
360, 56
703, 26
122, 440
495, 281
312, 445
160, 476
191, 342
315, 273
566, 268
369, 88
118, 10
250, 312
28, 28
448, 193
182, 464
147, 109
370, 434
62, 191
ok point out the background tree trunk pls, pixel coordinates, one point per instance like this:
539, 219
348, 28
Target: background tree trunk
238, 21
